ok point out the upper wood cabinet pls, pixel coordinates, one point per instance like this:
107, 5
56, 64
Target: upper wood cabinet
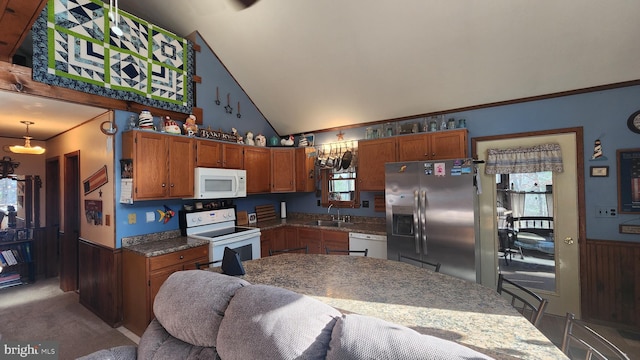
433, 146
162, 164
257, 163
372, 155
305, 169
217, 154
283, 170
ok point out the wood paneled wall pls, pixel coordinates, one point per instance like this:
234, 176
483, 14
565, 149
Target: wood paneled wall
611, 282
100, 281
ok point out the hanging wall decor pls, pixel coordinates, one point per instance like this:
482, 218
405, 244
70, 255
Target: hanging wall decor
75, 47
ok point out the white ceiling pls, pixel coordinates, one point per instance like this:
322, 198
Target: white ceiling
310, 64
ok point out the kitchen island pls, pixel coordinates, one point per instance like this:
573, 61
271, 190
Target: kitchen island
428, 302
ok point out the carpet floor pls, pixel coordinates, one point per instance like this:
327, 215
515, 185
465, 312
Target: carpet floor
42, 312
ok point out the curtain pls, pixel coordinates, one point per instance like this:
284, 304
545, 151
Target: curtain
545, 157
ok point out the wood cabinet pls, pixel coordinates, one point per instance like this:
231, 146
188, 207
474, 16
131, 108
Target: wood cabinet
319, 239
216, 154
372, 155
162, 164
283, 170
335, 240
305, 169
312, 238
142, 277
257, 163
284, 237
448, 144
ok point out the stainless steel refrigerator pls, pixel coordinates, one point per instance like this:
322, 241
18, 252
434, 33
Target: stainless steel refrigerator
430, 209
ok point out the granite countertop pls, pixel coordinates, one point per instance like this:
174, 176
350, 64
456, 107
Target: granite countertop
374, 226
428, 302
156, 247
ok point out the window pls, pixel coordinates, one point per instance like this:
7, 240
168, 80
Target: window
339, 187
8, 194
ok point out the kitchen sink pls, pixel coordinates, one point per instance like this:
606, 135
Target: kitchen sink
331, 223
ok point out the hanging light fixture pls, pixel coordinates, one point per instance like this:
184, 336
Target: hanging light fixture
27, 148
113, 16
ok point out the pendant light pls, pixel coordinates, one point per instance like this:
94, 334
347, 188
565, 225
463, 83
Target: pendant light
27, 148
113, 16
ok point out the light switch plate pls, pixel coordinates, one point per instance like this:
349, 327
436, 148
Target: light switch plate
151, 216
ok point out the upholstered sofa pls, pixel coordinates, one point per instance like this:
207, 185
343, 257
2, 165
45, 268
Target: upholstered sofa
205, 315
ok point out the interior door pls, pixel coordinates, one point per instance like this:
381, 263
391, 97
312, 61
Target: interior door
69, 243
566, 297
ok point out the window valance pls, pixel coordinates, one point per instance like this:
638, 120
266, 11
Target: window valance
545, 157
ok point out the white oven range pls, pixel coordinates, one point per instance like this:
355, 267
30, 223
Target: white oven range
219, 227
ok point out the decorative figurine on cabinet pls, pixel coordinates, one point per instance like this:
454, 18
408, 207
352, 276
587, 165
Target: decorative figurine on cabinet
261, 140
287, 141
190, 126
171, 126
250, 140
145, 120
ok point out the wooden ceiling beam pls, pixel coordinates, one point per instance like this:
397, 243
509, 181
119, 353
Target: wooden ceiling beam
19, 79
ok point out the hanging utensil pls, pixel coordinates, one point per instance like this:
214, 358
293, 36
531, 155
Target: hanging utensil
228, 108
238, 114
346, 159
338, 161
217, 96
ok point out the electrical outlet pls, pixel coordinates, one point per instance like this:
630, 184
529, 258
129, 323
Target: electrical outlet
151, 216
365, 203
318, 203
606, 212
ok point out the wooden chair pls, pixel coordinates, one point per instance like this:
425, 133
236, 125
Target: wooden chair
296, 250
436, 266
528, 303
582, 342
348, 252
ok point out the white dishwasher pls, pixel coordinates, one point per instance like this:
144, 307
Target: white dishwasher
377, 244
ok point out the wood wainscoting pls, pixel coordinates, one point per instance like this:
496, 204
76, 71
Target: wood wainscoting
100, 281
611, 282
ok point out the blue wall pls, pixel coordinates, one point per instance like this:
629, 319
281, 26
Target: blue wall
602, 114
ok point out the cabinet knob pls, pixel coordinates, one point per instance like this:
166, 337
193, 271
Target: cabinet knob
181, 257
171, 185
164, 185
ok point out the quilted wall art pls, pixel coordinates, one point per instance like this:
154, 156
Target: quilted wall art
73, 47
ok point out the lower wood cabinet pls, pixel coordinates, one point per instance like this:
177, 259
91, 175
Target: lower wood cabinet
335, 240
142, 277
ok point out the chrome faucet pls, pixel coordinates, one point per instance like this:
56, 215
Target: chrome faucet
329, 210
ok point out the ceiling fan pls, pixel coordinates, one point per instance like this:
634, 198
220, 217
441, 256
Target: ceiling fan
246, 3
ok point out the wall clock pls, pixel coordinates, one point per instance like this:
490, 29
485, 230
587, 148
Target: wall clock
634, 122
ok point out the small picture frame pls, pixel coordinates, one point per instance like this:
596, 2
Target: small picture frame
599, 171
253, 219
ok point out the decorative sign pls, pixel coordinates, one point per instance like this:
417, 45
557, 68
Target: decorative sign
96, 180
74, 47
629, 229
93, 211
217, 135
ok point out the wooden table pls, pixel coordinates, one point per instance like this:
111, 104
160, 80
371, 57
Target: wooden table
428, 302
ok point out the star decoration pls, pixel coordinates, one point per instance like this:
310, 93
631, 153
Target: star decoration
340, 135
100, 192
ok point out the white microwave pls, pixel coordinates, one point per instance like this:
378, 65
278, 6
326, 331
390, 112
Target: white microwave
215, 183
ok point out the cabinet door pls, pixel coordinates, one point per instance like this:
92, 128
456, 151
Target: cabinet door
150, 165
305, 169
266, 241
208, 153
181, 166
372, 155
232, 156
282, 170
413, 147
311, 238
291, 237
257, 162
449, 144
336, 240
156, 279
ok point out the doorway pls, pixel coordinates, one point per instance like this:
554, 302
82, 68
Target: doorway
71, 213
52, 216
567, 196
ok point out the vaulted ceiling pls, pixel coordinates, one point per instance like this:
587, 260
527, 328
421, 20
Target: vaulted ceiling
311, 65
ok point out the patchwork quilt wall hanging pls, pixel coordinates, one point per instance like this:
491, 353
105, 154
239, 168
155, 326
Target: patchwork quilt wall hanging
74, 47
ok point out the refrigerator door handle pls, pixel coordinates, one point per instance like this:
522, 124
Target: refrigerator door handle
423, 220
416, 220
